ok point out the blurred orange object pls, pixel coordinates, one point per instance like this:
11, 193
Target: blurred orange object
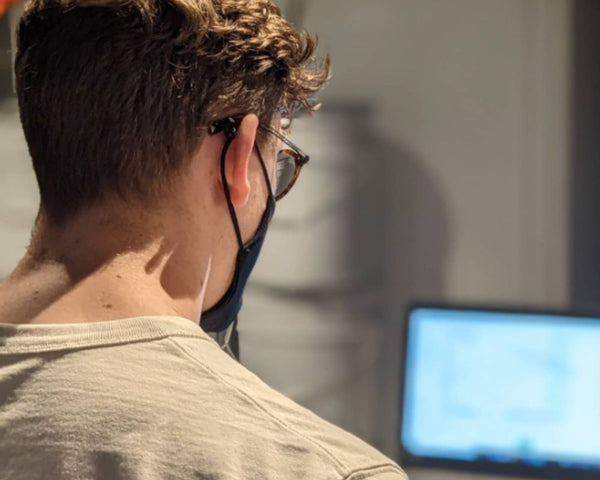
5, 4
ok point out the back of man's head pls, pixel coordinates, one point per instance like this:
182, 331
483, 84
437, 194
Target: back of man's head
115, 95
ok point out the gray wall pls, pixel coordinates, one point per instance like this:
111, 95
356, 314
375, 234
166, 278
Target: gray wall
19, 198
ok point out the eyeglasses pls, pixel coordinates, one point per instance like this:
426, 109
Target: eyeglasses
290, 161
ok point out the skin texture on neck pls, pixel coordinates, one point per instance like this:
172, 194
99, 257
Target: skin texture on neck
119, 260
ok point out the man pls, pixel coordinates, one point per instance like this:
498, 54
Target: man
157, 134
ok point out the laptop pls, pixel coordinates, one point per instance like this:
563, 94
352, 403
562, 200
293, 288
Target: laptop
500, 394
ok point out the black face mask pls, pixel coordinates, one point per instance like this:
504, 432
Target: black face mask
223, 313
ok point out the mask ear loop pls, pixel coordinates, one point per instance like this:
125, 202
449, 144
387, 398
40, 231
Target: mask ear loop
229, 340
232, 329
264, 170
225, 339
229, 128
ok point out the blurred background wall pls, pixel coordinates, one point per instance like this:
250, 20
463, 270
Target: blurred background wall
441, 172
18, 191
443, 169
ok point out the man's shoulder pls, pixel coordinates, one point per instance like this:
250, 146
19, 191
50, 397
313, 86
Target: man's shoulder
272, 427
167, 400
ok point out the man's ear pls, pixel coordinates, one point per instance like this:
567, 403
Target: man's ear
237, 160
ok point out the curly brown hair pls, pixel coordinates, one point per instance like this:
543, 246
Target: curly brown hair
114, 94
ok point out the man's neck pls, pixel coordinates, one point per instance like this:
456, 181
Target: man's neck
103, 271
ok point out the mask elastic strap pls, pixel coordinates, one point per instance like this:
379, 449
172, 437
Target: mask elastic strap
229, 128
230, 137
264, 169
229, 340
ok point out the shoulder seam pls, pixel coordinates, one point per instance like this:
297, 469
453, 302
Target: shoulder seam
366, 473
339, 465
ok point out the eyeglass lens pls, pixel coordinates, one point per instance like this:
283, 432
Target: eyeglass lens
286, 167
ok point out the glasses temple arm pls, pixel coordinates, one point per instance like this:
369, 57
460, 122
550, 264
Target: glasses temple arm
283, 138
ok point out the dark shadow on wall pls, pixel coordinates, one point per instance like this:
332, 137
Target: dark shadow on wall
585, 218
416, 237
400, 233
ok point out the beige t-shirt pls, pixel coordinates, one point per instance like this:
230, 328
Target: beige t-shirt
156, 398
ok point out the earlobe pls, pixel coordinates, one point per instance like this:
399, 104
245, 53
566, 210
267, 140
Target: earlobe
237, 160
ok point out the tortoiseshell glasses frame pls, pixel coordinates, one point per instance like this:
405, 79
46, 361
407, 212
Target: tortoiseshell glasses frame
286, 177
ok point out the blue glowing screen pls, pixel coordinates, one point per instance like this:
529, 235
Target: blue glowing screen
502, 387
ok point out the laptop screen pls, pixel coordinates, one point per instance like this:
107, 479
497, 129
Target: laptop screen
502, 387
